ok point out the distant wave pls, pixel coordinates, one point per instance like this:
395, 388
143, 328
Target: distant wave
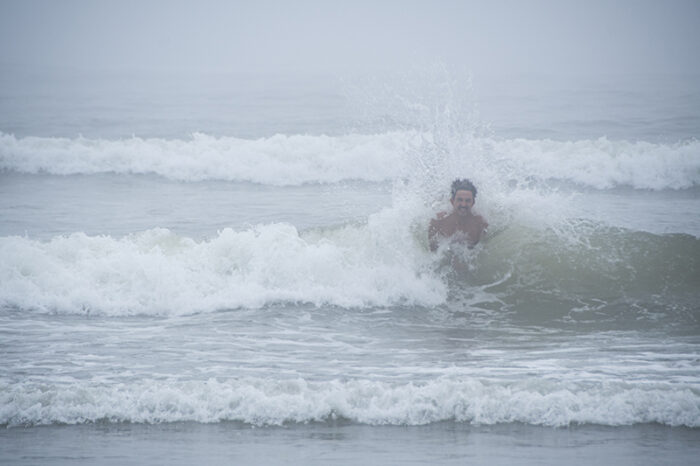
603, 163
299, 159
278, 160
537, 401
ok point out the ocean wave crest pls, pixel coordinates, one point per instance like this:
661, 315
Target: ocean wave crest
158, 272
278, 160
276, 402
381, 263
604, 163
299, 159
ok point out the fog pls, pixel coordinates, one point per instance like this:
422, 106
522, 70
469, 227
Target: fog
489, 38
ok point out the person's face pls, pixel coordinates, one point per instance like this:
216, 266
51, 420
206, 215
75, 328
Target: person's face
463, 202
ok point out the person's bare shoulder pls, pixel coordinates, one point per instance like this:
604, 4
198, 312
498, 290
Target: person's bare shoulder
481, 221
438, 220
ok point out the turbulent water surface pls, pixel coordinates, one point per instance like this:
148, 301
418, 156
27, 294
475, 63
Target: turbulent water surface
157, 268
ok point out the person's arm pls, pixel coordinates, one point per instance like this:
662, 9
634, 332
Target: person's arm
484, 227
433, 232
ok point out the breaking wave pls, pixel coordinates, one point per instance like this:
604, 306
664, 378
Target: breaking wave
275, 402
299, 159
379, 263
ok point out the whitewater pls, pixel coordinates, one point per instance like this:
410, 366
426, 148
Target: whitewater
304, 159
270, 279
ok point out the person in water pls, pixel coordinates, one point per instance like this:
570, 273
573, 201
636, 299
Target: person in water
461, 225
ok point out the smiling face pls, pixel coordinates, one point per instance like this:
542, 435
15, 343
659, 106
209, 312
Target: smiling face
462, 202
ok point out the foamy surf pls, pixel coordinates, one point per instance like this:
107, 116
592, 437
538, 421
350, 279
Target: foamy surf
275, 402
599, 163
300, 158
158, 272
286, 280
384, 262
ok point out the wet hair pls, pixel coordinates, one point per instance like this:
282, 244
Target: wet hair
462, 184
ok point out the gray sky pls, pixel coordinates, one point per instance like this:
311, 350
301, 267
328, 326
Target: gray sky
486, 37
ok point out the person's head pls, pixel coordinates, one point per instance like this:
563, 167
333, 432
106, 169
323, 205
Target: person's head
463, 195
462, 184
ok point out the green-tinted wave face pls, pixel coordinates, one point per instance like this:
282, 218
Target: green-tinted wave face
590, 274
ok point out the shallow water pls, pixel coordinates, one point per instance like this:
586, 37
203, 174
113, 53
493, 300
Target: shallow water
443, 443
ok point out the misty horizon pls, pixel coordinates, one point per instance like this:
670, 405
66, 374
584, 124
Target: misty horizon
499, 38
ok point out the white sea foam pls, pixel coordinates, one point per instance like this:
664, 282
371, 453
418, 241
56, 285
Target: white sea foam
272, 402
299, 159
277, 160
603, 163
159, 272
382, 262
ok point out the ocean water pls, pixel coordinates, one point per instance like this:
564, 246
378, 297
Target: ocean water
234, 268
